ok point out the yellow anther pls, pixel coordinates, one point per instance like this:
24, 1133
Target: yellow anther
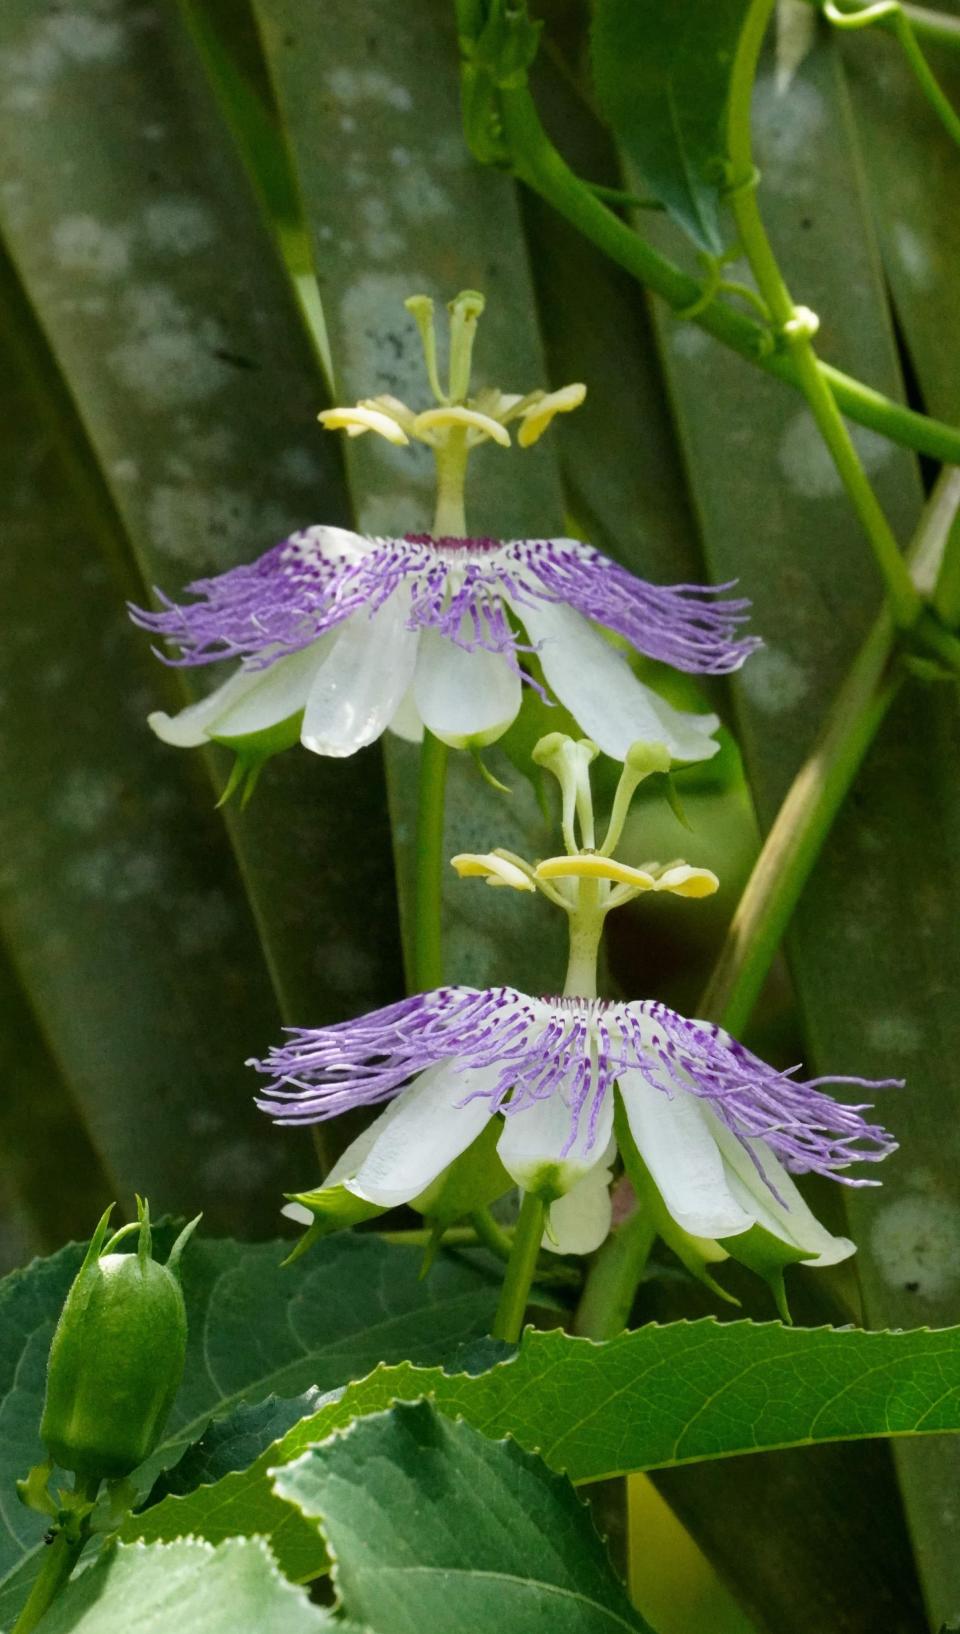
355, 421
495, 870
588, 866
392, 407
456, 415
538, 416
685, 881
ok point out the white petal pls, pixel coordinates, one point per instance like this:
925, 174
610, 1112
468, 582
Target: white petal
533, 1139
679, 1148
600, 690
359, 686
349, 1162
464, 697
188, 729
298, 1213
405, 721
280, 691
580, 1220
335, 543
792, 1221
410, 1143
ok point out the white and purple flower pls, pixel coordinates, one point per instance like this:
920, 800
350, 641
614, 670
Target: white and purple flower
719, 1131
341, 636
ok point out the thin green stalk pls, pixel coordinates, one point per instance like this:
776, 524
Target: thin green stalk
58, 1562
427, 958
933, 26
905, 602
521, 1269
924, 75
604, 1309
423, 1236
489, 1233
946, 594
536, 162
819, 789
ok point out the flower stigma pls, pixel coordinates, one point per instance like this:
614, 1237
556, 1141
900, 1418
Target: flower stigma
587, 882
460, 422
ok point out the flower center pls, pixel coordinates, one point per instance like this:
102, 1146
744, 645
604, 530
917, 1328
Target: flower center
449, 545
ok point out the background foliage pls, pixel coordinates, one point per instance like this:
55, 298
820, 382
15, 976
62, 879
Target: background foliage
163, 172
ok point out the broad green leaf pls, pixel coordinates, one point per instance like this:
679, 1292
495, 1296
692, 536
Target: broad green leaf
433, 1526
254, 1331
38, 1205
119, 903
185, 1588
403, 183
136, 235
652, 1399
662, 72
233, 1441
226, 40
911, 167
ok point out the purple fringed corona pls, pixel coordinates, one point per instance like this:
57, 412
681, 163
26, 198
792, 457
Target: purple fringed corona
719, 1130
456, 619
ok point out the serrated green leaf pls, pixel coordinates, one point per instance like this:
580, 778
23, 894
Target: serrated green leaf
652, 1399
233, 1441
185, 1588
662, 71
432, 1525
254, 1330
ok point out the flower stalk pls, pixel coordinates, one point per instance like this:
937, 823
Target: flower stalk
535, 161
798, 326
61, 1556
803, 822
521, 1270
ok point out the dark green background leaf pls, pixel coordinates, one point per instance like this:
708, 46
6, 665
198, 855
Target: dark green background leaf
662, 70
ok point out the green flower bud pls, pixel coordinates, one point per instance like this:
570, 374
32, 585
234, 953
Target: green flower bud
117, 1355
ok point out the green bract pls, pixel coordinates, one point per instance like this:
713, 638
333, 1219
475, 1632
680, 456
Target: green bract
117, 1355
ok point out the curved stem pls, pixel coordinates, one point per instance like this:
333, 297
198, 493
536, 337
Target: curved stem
905, 602
427, 956
489, 1233
537, 163
924, 75
58, 1562
613, 1278
521, 1268
933, 26
818, 790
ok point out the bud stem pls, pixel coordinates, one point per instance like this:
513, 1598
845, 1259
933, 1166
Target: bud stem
61, 1557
